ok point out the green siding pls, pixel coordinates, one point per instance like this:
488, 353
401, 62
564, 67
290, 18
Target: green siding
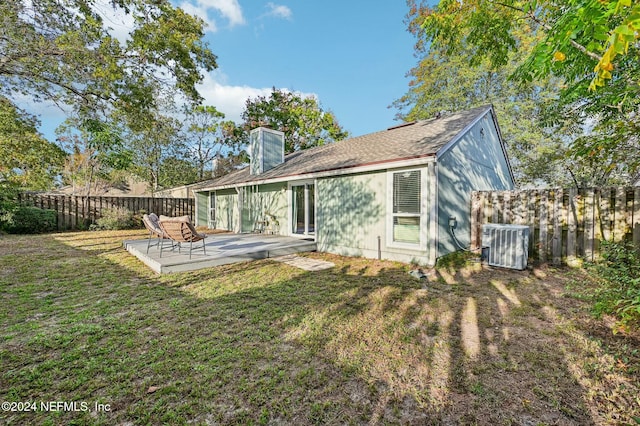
227, 210
350, 213
353, 219
202, 204
274, 202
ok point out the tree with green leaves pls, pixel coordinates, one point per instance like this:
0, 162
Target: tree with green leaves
176, 170
304, 122
154, 139
589, 45
98, 156
27, 159
204, 135
445, 81
65, 52
582, 38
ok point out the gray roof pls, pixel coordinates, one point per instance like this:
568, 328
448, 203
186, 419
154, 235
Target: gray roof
406, 141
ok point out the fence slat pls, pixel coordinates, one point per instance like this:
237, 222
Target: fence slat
572, 227
603, 231
556, 245
507, 214
635, 221
544, 225
475, 211
520, 208
589, 222
620, 214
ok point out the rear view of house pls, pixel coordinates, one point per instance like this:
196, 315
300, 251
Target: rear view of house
393, 194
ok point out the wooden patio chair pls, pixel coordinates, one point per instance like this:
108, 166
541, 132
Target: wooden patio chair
180, 230
151, 223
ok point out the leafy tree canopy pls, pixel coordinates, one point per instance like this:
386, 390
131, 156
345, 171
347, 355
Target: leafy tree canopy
98, 156
590, 45
64, 51
204, 134
441, 83
581, 37
304, 123
26, 158
154, 140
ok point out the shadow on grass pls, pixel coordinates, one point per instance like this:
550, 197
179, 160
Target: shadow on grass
262, 342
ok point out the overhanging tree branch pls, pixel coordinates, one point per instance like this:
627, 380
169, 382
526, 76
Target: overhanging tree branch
531, 15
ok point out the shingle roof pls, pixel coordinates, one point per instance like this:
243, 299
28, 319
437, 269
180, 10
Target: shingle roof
412, 140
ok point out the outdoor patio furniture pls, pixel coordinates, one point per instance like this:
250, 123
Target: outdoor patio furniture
151, 223
266, 224
180, 230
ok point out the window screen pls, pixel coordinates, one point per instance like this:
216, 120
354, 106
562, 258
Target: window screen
406, 192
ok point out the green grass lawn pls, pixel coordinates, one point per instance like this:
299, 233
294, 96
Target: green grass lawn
264, 343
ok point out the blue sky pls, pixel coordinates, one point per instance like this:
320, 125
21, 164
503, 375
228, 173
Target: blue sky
352, 55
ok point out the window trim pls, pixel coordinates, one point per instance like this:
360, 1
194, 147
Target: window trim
423, 214
212, 200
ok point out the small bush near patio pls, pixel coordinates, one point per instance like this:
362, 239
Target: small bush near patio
114, 219
28, 220
363, 343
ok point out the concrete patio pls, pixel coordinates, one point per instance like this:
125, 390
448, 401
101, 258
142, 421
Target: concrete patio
221, 249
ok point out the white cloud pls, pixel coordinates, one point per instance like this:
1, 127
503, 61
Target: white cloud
228, 99
229, 9
279, 11
231, 99
201, 13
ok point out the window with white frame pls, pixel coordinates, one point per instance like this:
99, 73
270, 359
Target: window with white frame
406, 209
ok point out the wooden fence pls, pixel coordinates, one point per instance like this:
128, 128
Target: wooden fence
78, 212
565, 225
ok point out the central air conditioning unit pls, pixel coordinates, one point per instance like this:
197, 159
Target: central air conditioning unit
506, 246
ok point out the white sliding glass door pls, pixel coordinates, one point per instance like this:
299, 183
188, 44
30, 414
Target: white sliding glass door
303, 212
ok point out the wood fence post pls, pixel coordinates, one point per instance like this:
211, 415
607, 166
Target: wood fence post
544, 225
556, 245
495, 202
635, 221
572, 228
520, 208
620, 214
475, 210
531, 219
57, 209
604, 214
507, 214
73, 212
589, 224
